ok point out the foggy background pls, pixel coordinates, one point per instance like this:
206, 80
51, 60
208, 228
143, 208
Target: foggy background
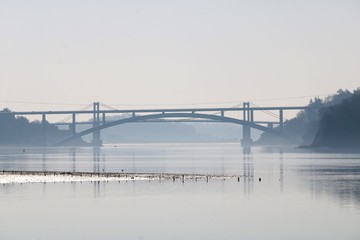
138, 54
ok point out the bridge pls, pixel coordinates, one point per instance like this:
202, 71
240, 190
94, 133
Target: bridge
99, 119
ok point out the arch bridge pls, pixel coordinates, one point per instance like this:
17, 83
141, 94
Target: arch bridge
99, 119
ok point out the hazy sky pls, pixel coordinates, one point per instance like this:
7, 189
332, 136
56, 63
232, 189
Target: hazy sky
174, 52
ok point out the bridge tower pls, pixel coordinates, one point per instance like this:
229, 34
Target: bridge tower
248, 117
96, 122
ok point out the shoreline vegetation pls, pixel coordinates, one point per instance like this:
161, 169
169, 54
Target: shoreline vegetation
8, 177
21, 132
329, 123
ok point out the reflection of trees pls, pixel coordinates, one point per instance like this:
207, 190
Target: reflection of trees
341, 182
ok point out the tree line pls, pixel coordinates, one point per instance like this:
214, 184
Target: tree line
339, 124
330, 122
20, 131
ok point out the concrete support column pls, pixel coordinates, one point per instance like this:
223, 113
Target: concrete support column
73, 124
248, 117
281, 120
103, 119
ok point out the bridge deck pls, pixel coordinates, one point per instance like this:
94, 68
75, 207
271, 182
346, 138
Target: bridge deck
165, 110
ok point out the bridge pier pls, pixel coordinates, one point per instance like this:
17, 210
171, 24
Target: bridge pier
248, 117
73, 125
103, 118
43, 129
96, 122
281, 120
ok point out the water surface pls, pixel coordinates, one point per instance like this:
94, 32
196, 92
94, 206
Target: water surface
302, 194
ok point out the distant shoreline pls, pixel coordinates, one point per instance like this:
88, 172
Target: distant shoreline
330, 149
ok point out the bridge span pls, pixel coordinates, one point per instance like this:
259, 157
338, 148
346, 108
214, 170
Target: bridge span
99, 119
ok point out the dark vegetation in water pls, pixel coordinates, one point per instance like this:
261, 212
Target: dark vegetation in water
328, 122
20, 131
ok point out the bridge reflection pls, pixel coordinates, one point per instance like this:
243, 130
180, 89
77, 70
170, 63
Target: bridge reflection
94, 159
248, 170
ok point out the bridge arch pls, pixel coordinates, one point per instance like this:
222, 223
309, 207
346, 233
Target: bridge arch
168, 115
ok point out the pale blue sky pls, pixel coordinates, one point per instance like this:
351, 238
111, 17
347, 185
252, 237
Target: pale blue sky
174, 52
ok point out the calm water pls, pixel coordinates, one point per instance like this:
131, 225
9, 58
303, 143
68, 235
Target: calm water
302, 195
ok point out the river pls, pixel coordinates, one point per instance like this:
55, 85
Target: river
302, 194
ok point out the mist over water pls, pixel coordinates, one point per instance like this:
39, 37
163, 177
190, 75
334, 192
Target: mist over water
302, 194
